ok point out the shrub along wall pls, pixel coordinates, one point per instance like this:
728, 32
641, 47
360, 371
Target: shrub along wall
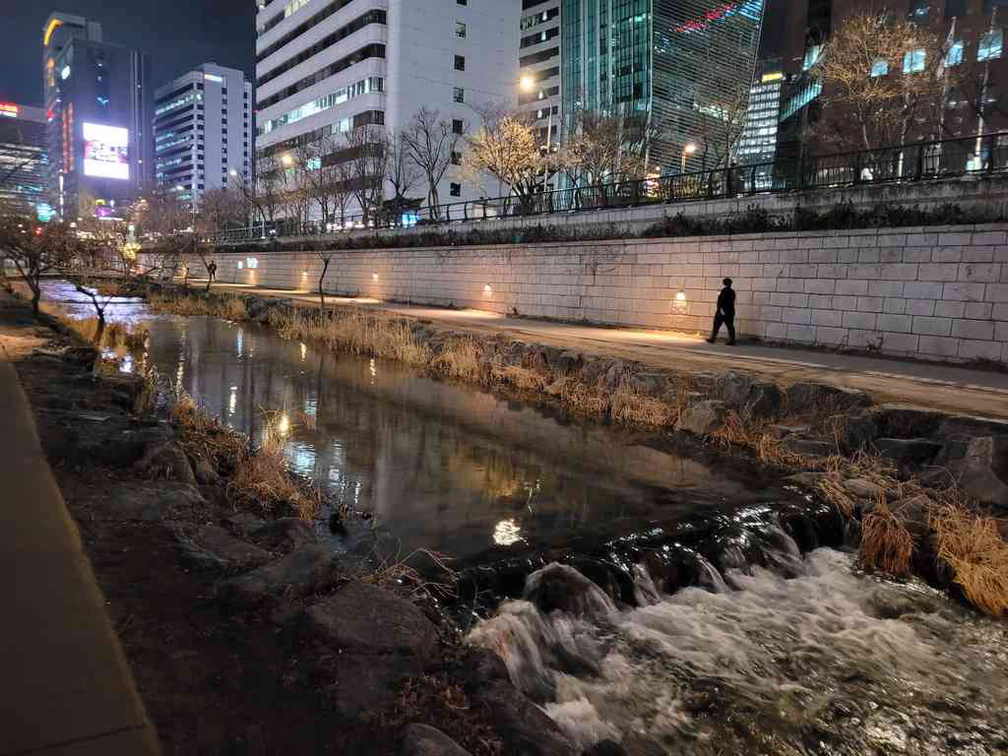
936, 292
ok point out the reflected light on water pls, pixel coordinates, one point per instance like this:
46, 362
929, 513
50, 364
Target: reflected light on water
283, 425
506, 532
304, 352
241, 342
233, 400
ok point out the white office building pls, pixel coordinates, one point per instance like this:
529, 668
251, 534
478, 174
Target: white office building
539, 60
203, 132
330, 66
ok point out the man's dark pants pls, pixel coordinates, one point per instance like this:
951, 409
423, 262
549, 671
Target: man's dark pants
727, 319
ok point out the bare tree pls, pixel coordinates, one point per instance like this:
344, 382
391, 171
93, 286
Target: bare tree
883, 81
430, 142
401, 169
35, 250
368, 157
506, 146
219, 209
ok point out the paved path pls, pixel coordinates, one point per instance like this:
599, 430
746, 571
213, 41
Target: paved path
65, 686
945, 387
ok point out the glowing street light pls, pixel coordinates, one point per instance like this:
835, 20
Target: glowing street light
688, 149
287, 160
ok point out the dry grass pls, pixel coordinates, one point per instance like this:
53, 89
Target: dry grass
517, 377
768, 448
631, 406
461, 359
399, 570
354, 331
886, 544
187, 303
971, 543
114, 336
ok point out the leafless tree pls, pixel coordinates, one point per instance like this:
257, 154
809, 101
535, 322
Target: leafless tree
402, 172
884, 80
219, 209
368, 158
506, 146
430, 142
35, 250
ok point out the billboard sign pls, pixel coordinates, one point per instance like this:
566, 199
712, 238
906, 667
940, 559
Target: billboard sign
106, 151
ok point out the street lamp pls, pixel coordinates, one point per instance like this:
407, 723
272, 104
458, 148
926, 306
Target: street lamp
287, 160
688, 149
528, 84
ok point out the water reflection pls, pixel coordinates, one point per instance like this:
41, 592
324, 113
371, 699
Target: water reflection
438, 466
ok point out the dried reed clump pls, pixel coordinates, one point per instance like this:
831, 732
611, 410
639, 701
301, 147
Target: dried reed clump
972, 545
461, 358
522, 378
399, 570
224, 306
583, 399
631, 406
354, 331
886, 544
756, 436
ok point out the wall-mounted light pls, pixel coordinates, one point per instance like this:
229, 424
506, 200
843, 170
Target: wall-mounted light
488, 290
680, 296
374, 276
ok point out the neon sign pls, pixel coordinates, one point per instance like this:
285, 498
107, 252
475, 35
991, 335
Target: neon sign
9, 110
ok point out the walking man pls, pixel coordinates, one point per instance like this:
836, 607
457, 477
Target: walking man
725, 313
212, 270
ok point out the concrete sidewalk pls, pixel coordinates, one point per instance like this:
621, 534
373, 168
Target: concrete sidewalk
65, 686
945, 387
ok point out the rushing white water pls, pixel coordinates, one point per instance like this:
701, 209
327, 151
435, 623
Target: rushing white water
828, 662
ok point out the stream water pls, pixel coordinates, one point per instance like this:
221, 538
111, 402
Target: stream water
717, 622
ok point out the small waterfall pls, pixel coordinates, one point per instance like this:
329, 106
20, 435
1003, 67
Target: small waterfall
783, 642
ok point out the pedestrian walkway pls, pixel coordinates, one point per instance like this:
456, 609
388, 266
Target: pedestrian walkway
65, 686
946, 387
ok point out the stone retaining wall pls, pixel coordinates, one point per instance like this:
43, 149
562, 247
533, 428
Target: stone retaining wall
937, 293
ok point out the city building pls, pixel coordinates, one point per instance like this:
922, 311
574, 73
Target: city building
972, 30
686, 66
539, 61
23, 161
98, 117
326, 68
203, 132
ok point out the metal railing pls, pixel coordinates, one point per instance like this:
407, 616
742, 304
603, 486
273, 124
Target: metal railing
921, 161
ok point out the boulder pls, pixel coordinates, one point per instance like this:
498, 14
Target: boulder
243, 523
765, 400
364, 619
906, 421
981, 466
212, 547
166, 461
806, 397
367, 686
151, 502
810, 480
735, 389
565, 362
204, 471
615, 376
524, 727
783, 431
424, 740
559, 587
285, 534
305, 570
649, 384
863, 489
810, 447
908, 451
129, 391
703, 418
853, 431
593, 368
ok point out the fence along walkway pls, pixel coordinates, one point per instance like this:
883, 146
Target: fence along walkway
921, 161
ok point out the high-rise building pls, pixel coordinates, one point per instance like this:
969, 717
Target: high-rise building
326, 68
23, 160
98, 116
203, 132
685, 65
539, 61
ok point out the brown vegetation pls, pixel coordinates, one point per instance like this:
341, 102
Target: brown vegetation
972, 544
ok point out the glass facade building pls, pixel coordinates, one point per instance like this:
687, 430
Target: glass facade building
23, 160
686, 64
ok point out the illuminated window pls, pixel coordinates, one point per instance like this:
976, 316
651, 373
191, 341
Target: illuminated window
879, 68
811, 57
913, 60
955, 54
991, 45
460, 30
251, 263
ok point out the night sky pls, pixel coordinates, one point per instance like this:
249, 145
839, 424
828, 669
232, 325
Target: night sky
178, 35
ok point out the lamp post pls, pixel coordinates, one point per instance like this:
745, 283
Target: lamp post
688, 149
528, 84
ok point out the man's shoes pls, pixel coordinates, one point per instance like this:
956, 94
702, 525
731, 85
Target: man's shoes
731, 343
711, 341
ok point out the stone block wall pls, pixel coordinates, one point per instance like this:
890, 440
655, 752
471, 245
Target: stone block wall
937, 293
